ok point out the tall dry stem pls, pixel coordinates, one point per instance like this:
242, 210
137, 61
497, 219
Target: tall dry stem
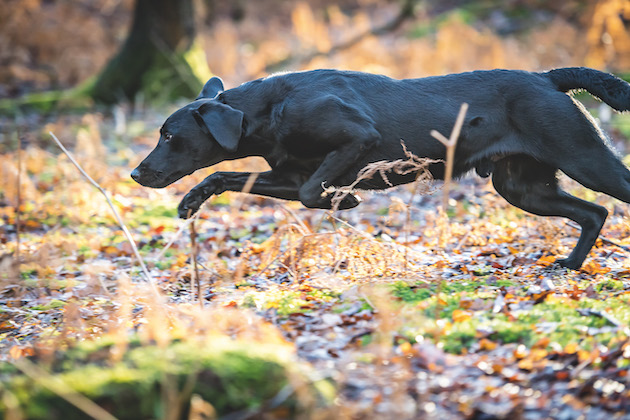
194, 251
18, 190
412, 164
145, 271
60, 388
451, 144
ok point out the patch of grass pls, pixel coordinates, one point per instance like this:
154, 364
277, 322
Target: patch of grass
288, 302
233, 376
610, 284
506, 331
558, 318
53, 304
28, 274
164, 264
409, 294
458, 340
505, 283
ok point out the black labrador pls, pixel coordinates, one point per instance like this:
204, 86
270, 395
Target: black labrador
320, 128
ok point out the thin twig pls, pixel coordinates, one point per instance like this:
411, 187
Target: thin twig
358, 231
193, 245
170, 243
18, 211
420, 178
116, 215
295, 216
61, 389
450, 144
601, 314
246, 189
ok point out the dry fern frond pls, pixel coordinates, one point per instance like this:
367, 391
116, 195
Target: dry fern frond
413, 164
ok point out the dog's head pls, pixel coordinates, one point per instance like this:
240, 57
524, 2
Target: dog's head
200, 134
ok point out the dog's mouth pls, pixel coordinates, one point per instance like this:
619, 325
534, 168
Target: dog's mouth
156, 179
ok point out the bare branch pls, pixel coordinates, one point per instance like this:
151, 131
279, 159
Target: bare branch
450, 144
116, 215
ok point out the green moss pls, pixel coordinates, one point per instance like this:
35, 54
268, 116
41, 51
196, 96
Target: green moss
510, 332
164, 264
610, 284
505, 283
27, 274
54, 303
456, 341
290, 303
585, 321
460, 286
232, 376
160, 211
408, 293
249, 301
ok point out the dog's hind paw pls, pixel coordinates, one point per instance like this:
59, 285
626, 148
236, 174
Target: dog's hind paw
349, 201
568, 263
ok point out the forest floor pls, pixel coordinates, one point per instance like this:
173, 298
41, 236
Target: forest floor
408, 312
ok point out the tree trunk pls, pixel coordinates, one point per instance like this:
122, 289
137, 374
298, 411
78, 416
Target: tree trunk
152, 61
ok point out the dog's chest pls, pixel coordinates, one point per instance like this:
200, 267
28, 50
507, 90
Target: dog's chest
281, 157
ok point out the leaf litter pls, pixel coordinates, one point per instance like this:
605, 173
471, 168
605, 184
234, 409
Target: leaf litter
425, 315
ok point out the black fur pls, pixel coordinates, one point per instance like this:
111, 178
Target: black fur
319, 128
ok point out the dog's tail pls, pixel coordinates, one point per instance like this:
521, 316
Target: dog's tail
610, 89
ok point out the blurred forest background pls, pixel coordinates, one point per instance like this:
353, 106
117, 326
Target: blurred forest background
46, 44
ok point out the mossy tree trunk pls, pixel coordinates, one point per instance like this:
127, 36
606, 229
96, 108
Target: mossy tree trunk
154, 58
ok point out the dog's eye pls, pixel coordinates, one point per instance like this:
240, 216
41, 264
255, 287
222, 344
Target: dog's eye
168, 137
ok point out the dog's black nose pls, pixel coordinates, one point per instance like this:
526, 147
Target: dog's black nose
135, 174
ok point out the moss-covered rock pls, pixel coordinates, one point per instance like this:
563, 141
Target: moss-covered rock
150, 380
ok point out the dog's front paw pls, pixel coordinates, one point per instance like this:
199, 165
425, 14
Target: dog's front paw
190, 203
197, 196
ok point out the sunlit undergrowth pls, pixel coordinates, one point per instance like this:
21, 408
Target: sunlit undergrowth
350, 291
354, 291
358, 314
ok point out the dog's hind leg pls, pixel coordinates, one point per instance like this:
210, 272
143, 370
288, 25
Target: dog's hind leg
598, 169
568, 138
532, 186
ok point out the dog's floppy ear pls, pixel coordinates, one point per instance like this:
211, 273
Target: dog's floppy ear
212, 88
223, 122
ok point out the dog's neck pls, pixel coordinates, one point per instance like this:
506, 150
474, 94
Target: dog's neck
259, 114
270, 150
259, 118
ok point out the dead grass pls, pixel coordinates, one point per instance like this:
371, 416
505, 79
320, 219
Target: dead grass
321, 256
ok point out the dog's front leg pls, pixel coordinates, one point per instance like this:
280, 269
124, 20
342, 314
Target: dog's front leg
270, 184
